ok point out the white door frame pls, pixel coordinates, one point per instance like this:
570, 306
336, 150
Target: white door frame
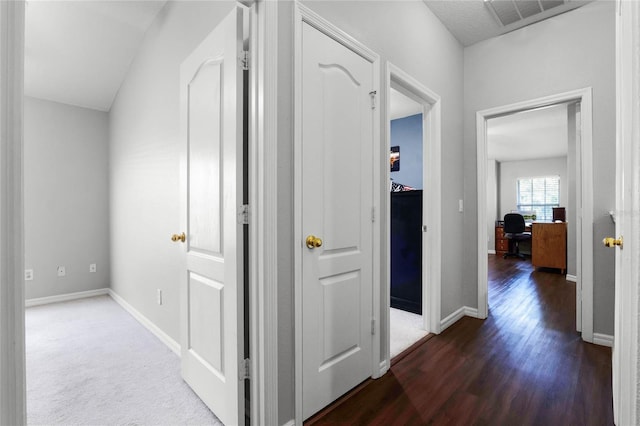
263, 213
625, 348
305, 15
12, 351
584, 201
431, 256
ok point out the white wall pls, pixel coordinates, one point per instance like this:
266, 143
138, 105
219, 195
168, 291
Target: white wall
66, 197
570, 51
511, 171
144, 153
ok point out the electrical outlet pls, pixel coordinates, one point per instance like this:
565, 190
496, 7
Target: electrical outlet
93, 267
159, 297
62, 271
28, 274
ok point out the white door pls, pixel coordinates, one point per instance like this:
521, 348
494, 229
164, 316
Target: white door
626, 347
337, 190
212, 326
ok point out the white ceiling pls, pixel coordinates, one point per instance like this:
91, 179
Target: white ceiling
78, 52
471, 21
529, 135
402, 106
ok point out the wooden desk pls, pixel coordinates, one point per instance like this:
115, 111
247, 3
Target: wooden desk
549, 245
502, 242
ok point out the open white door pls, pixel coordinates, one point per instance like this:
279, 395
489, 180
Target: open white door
212, 315
337, 201
627, 245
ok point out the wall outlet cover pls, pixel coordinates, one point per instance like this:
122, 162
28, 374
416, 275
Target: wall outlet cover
93, 267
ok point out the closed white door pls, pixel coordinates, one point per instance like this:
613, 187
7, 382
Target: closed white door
212, 313
337, 201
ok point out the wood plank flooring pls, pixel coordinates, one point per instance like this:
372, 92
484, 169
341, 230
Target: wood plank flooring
524, 365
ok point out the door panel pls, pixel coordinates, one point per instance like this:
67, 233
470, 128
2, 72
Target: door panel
212, 312
337, 199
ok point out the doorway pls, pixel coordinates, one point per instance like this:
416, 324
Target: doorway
531, 175
400, 85
583, 201
406, 201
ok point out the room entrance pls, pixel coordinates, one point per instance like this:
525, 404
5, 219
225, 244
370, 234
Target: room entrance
406, 199
532, 181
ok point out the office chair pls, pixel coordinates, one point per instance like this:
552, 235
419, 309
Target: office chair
514, 232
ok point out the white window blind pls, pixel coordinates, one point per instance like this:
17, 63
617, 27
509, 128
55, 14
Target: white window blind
539, 194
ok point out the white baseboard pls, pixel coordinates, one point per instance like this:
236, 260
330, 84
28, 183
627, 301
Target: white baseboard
492, 252
603, 339
65, 297
571, 278
457, 315
291, 422
470, 312
164, 337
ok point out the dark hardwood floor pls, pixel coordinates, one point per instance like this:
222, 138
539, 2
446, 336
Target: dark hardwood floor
524, 365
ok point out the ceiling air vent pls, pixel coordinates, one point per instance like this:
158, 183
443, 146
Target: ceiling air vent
508, 12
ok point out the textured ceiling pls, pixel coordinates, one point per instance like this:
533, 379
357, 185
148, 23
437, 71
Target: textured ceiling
471, 21
78, 52
529, 135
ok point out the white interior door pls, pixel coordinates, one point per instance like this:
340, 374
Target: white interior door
337, 201
212, 288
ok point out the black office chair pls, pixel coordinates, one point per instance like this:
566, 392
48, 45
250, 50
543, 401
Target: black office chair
514, 232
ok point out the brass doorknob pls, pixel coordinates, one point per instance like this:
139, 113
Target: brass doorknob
313, 242
178, 237
612, 242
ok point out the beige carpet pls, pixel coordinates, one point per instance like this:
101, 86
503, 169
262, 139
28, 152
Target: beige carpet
406, 329
90, 363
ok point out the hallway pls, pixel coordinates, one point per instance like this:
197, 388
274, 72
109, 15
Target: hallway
525, 364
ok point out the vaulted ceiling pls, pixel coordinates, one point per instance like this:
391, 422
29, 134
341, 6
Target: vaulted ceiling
78, 52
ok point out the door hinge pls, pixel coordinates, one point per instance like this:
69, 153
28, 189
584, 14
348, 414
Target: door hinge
245, 60
373, 326
243, 214
245, 369
373, 214
373, 98
424, 228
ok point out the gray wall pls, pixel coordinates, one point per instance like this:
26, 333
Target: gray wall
570, 51
144, 154
65, 197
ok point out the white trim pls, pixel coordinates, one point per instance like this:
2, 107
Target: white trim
302, 15
491, 252
12, 349
471, 312
603, 339
65, 297
571, 278
626, 319
146, 322
452, 318
263, 199
584, 198
458, 314
291, 422
384, 367
432, 214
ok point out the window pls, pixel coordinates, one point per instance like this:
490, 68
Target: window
539, 194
